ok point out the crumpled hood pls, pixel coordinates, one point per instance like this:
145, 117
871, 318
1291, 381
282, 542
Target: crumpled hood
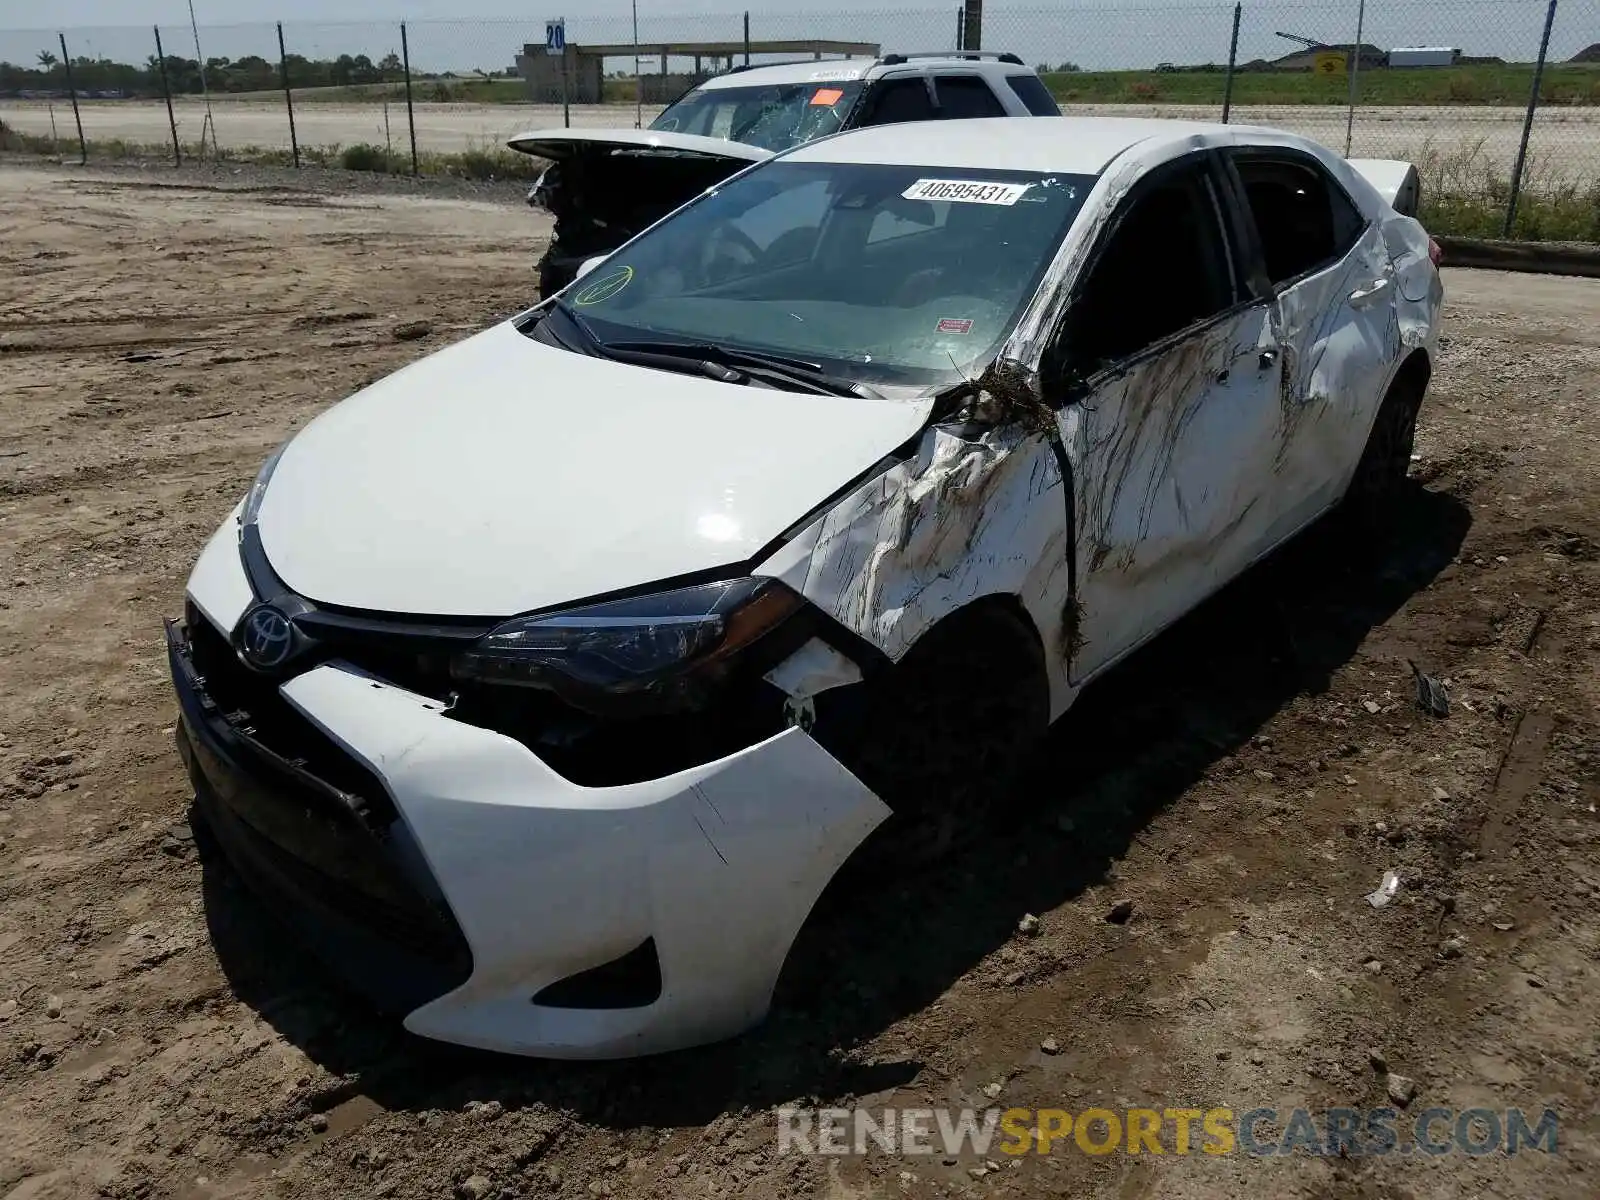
502, 475
559, 145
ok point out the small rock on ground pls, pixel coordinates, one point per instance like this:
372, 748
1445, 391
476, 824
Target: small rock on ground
1402, 1089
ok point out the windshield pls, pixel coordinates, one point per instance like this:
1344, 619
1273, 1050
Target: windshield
774, 117
906, 275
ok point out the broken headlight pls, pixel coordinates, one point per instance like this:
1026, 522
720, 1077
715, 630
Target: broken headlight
258, 489
657, 651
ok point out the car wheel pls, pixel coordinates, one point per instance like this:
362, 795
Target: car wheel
951, 729
1381, 473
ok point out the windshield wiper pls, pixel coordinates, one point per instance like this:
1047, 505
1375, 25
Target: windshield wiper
722, 363
585, 342
781, 367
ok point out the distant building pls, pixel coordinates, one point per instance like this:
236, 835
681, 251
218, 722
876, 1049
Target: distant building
1423, 56
584, 81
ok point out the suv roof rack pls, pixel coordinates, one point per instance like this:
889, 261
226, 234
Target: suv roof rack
890, 60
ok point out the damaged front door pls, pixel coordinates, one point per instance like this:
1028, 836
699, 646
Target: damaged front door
1173, 379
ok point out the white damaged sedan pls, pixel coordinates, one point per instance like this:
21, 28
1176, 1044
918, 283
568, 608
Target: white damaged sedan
545, 684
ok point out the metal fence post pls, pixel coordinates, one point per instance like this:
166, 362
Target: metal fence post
166, 91
205, 90
1355, 71
288, 97
411, 116
1527, 122
747, 37
1233, 57
972, 28
961, 28
66, 62
566, 91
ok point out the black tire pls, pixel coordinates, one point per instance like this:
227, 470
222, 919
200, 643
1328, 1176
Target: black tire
951, 729
1380, 475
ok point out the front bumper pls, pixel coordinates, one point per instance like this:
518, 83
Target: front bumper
303, 844
479, 876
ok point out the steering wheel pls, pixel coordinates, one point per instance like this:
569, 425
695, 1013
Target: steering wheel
915, 287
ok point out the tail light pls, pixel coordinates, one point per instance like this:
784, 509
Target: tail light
1435, 254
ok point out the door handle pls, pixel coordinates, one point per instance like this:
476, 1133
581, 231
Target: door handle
1268, 360
1222, 375
1364, 296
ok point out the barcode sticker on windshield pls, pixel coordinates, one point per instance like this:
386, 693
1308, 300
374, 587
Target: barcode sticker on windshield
965, 191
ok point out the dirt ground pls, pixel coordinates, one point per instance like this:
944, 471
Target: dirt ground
1242, 784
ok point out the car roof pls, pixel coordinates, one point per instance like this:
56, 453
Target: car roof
833, 70
1070, 145
818, 71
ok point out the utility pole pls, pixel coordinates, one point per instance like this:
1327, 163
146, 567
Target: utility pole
972, 37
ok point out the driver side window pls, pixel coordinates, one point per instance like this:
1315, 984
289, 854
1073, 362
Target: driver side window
1164, 269
897, 100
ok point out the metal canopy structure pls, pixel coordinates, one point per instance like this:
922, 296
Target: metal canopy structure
578, 75
813, 46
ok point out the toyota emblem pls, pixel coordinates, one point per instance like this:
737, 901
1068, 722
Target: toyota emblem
265, 638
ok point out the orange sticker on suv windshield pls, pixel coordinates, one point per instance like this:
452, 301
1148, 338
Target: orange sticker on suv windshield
827, 96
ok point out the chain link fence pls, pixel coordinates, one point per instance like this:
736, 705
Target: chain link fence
1496, 101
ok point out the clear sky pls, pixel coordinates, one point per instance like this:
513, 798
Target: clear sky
147, 12
485, 34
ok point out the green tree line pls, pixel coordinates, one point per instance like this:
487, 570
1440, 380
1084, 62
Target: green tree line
251, 73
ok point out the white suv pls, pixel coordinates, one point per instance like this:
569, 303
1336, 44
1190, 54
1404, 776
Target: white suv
606, 185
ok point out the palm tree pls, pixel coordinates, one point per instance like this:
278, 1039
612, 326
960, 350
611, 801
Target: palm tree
46, 59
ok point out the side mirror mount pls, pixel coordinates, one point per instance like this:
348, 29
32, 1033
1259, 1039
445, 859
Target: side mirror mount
1064, 373
1074, 384
588, 265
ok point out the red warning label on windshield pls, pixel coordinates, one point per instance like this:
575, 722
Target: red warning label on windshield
827, 96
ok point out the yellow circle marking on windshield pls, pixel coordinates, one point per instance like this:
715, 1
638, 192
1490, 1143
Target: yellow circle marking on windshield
604, 289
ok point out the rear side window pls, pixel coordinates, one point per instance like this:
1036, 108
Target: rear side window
1305, 219
1030, 89
897, 100
966, 96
